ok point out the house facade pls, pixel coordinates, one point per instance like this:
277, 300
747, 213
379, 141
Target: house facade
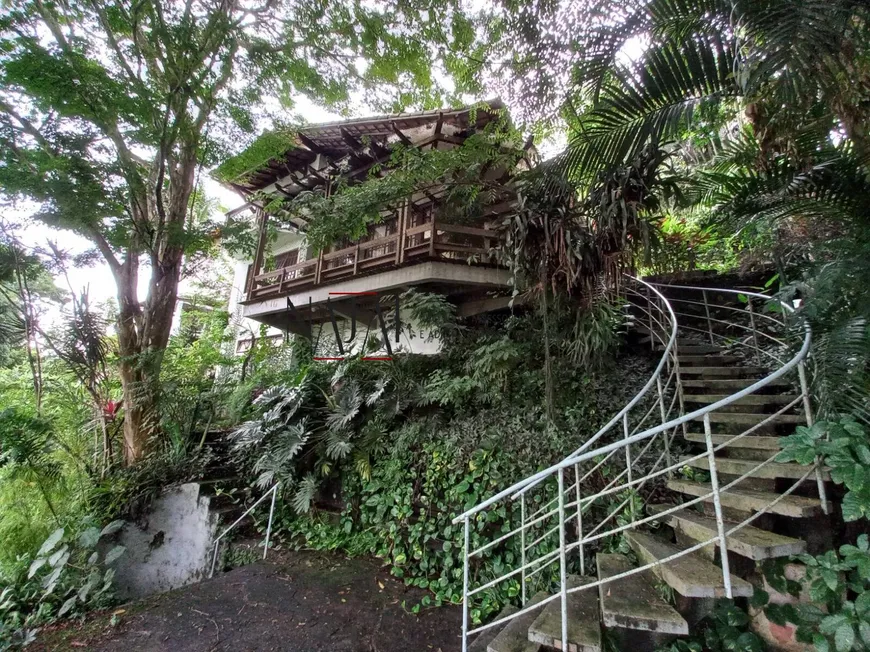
342, 291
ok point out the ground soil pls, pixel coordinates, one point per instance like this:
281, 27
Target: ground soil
296, 601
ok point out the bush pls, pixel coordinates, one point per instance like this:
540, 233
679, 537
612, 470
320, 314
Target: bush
69, 574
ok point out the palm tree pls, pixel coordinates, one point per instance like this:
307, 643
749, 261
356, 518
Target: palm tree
792, 77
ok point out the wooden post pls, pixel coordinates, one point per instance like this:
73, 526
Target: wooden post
356, 258
400, 242
257, 264
319, 268
432, 237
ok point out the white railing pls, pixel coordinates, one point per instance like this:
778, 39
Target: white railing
638, 441
274, 492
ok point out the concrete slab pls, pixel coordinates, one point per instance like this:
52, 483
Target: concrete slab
514, 637
751, 542
483, 639
632, 602
689, 575
584, 624
749, 500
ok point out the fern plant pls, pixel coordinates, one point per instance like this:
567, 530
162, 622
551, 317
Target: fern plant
303, 431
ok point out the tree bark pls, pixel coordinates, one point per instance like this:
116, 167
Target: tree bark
144, 329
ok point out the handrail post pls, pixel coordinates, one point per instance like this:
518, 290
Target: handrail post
707, 312
625, 430
563, 567
465, 589
649, 305
808, 412
754, 329
664, 420
269, 526
523, 548
579, 519
214, 559
720, 522
679, 387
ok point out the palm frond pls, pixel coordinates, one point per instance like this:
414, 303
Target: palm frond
651, 103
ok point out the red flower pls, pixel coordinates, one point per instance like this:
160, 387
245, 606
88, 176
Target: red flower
110, 409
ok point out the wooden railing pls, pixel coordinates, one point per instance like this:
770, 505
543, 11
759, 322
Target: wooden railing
451, 242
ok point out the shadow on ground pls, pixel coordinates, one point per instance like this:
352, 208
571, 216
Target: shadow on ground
299, 602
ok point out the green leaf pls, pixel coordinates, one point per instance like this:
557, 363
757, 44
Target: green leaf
59, 557
114, 554
821, 643
35, 565
112, 527
49, 544
844, 638
759, 598
69, 604
89, 537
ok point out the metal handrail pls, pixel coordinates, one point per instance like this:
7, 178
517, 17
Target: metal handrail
274, 492
661, 320
523, 485
520, 487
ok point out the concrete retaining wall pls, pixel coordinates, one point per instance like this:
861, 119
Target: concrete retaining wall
171, 549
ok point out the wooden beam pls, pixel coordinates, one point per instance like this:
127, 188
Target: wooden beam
401, 134
310, 144
241, 209
258, 253
316, 173
451, 139
283, 190
402, 224
351, 140
440, 123
303, 181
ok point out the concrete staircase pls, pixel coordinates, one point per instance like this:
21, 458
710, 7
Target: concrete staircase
221, 484
631, 605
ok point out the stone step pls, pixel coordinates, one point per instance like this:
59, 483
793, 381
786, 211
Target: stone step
689, 575
750, 542
632, 602
695, 349
747, 441
514, 636
584, 625
752, 399
209, 487
727, 372
731, 385
769, 471
750, 500
751, 418
483, 639
707, 360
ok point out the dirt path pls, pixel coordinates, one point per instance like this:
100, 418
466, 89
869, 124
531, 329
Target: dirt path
298, 602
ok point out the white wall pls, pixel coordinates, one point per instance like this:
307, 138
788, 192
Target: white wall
171, 548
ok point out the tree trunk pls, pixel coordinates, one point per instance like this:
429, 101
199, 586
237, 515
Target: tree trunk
143, 329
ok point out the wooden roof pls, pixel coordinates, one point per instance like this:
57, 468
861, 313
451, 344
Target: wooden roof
353, 144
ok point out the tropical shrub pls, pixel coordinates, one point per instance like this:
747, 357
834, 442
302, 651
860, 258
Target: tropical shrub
69, 574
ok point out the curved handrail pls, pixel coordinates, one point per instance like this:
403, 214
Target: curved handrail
524, 485
577, 457
661, 318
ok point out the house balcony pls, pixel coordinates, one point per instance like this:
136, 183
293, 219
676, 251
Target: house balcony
455, 260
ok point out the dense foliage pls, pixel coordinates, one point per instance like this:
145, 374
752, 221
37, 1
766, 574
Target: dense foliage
110, 113
379, 458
